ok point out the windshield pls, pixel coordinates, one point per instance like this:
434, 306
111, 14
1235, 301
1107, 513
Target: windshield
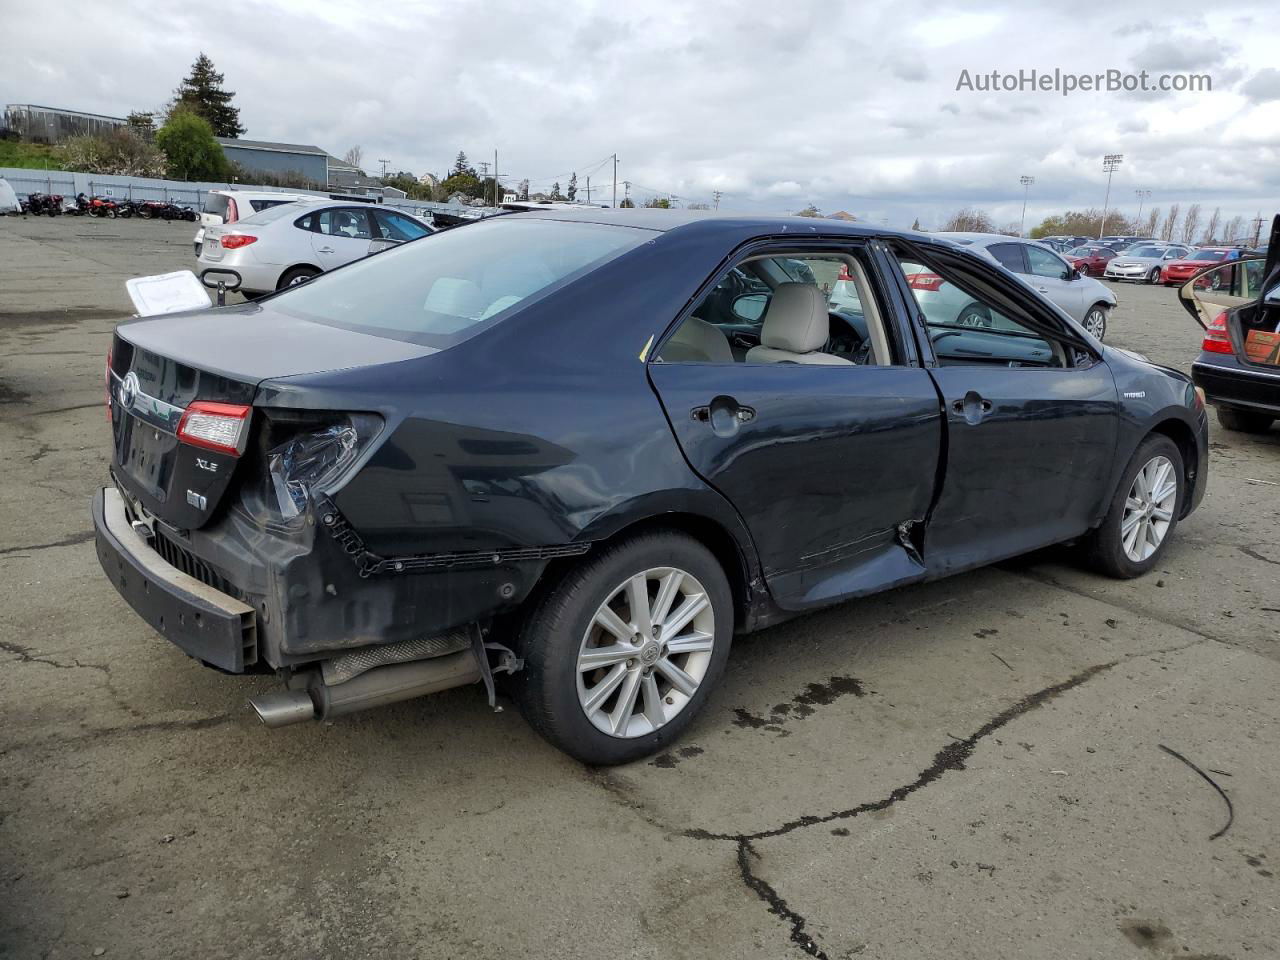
1144, 252
1210, 255
448, 286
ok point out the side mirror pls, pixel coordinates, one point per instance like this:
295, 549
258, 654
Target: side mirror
381, 243
1272, 297
750, 306
1075, 274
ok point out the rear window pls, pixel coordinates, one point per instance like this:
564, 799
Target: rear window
260, 205
1209, 255
447, 287
271, 213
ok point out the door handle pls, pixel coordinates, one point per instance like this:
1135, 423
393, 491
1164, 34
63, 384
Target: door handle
1043, 289
324, 250
724, 414
973, 407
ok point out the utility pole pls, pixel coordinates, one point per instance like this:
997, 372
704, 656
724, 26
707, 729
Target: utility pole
716, 195
384, 168
1109, 164
626, 188
1143, 196
1026, 188
588, 191
615, 179
1257, 231
496, 198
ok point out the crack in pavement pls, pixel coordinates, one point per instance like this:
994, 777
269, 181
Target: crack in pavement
25, 655
76, 538
200, 723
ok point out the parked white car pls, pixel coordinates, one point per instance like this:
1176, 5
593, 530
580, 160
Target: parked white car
228, 206
291, 243
1142, 262
1083, 298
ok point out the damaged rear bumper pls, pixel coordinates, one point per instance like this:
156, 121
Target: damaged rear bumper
203, 622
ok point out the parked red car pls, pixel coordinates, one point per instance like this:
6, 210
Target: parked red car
1180, 271
1091, 259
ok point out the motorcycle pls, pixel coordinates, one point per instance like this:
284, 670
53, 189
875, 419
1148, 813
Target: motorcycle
46, 203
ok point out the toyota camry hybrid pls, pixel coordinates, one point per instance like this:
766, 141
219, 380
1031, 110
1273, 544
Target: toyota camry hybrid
584, 450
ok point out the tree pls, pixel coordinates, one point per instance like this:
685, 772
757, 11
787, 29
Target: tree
1081, 223
627, 202
1148, 229
353, 156
142, 122
915, 224
1190, 222
555, 191
1170, 222
1234, 229
202, 94
969, 220
187, 141
699, 206
809, 211
120, 152
1211, 228
572, 193
658, 203
461, 166
465, 183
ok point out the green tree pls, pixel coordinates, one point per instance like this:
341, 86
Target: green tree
188, 145
915, 224
627, 202
572, 192
658, 203
555, 191
201, 93
809, 211
465, 183
120, 152
461, 166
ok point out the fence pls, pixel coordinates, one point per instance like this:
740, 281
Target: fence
182, 192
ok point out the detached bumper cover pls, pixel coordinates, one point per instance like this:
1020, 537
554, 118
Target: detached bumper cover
201, 621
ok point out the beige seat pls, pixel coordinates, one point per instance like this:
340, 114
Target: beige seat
796, 327
698, 342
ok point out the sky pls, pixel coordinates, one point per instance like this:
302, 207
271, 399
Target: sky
844, 105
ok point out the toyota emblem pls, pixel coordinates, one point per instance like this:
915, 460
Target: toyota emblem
129, 390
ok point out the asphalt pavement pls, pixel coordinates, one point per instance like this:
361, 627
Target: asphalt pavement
998, 765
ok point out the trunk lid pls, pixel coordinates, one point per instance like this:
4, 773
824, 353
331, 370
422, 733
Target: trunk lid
160, 366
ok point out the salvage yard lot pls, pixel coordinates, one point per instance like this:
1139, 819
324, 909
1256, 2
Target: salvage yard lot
970, 768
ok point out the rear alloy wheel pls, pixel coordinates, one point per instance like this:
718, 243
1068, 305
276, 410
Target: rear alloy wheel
622, 654
1095, 321
1143, 512
974, 315
1244, 421
296, 276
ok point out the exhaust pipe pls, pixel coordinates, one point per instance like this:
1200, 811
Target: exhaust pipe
376, 688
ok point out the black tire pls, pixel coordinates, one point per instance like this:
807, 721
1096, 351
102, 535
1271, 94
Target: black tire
296, 275
1244, 421
1103, 548
552, 635
1154, 276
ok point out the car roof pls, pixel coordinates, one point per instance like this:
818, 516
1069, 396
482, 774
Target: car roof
264, 194
985, 239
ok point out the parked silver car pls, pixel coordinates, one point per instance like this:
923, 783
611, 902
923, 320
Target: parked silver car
1141, 263
294, 242
1083, 298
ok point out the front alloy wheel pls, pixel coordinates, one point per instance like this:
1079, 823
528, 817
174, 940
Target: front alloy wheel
1154, 276
1095, 321
1143, 513
646, 652
1148, 509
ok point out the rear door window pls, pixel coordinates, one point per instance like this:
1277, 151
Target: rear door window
350, 223
1009, 256
1045, 264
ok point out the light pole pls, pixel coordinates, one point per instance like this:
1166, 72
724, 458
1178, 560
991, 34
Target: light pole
1026, 187
1109, 164
1143, 196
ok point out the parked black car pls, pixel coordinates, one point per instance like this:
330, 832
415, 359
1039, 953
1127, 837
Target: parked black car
588, 448
1238, 304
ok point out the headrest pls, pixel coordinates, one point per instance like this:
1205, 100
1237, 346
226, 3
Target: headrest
796, 320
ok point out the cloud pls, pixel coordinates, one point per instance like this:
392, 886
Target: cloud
1263, 86
776, 106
